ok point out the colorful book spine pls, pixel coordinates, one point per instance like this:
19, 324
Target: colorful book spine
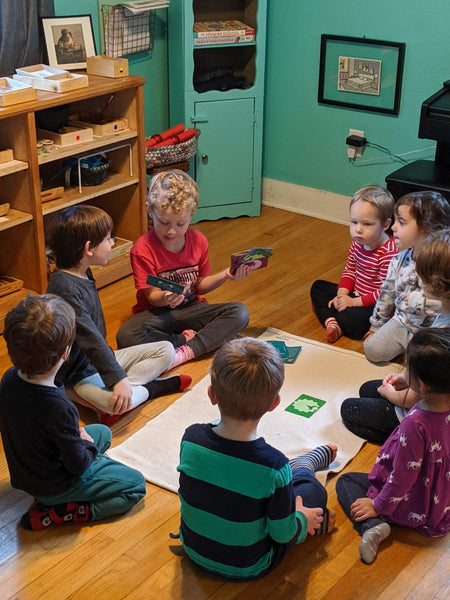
229, 39
221, 28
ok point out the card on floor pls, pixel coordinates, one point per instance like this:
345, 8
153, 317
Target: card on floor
280, 346
305, 406
293, 352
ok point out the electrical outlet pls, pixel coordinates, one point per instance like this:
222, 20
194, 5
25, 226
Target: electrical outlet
357, 151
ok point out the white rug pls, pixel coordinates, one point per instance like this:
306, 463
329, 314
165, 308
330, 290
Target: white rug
322, 371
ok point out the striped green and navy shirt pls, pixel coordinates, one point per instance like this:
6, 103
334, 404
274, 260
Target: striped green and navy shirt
237, 503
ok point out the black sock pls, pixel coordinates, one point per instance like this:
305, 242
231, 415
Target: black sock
161, 387
314, 460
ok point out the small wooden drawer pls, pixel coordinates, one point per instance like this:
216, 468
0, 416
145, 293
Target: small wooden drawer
67, 135
8, 285
121, 247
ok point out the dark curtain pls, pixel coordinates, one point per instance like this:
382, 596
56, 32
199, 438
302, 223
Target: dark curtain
21, 37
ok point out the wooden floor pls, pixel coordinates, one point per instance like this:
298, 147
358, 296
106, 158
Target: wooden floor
133, 557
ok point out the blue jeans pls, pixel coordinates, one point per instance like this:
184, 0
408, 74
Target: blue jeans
110, 487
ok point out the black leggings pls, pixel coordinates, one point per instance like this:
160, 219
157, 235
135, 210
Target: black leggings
370, 416
354, 321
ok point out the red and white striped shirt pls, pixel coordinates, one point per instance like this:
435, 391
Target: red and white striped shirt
366, 270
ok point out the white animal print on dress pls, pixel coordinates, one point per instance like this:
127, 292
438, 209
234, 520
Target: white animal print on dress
446, 509
426, 481
447, 475
382, 457
414, 465
397, 499
436, 499
402, 439
415, 517
447, 419
435, 446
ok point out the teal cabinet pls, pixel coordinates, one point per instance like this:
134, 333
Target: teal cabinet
227, 166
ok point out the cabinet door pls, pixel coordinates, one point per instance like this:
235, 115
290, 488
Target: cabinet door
224, 162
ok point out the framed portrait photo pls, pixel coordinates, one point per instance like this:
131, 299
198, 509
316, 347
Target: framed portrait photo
69, 41
361, 73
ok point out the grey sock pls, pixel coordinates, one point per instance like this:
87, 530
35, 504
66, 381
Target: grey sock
315, 460
368, 546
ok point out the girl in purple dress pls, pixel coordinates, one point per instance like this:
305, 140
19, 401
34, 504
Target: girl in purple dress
409, 484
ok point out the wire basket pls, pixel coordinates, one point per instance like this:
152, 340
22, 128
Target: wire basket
166, 155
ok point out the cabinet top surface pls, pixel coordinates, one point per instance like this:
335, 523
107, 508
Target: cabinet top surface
97, 87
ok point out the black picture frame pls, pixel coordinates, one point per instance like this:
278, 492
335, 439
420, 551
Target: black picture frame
361, 73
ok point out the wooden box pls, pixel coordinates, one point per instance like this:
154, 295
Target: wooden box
14, 92
50, 79
8, 285
105, 127
116, 269
6, 155
106, 66
121, 247
67, 135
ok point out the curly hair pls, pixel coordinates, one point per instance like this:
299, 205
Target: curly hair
173, 190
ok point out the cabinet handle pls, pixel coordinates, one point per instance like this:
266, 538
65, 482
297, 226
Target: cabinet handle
199, 119
205, 159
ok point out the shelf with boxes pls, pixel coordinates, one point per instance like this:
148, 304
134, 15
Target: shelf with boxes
34, 182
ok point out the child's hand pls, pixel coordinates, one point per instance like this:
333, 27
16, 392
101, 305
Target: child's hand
343, 301
85, 436
241, 273
121, 397
362, 509
174, 300
397, 380
314, 515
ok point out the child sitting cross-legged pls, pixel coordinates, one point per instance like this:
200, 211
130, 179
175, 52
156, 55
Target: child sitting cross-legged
49, 455
408, 484
172, 250
243, 503
110, 382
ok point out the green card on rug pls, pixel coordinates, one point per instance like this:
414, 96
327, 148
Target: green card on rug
305, 406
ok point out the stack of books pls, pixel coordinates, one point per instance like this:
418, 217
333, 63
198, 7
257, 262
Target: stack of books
222, 32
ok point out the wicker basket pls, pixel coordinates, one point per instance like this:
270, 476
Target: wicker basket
166, 155
94, 170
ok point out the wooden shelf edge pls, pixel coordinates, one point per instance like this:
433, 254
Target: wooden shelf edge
81, 148
12, 166
115, 181
14, 217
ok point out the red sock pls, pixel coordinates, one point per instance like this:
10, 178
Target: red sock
39, 516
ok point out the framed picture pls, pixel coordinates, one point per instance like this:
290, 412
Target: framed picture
69, 41
361, 73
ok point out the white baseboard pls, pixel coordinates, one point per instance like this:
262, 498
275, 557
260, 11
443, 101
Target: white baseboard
306, 201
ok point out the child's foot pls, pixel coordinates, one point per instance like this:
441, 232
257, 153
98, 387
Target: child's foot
108, 419
189, 334
168, 385
334, 332
327, 525
40, 517
315, 460
368, 546
103, 417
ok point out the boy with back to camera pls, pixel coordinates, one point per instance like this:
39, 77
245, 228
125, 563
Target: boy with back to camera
243, 503
174, 251
111, 383
49, 456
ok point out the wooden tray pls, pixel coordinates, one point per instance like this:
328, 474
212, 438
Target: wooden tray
122, 246
106, 127
116, 269
14, 92
8, 285
52, 194
68, 136
50, 79
4, 208
6, 155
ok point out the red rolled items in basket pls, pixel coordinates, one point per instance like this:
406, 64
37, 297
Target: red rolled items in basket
160, 137
177, 139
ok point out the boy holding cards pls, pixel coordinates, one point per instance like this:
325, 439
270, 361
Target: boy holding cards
243, 503
172, 250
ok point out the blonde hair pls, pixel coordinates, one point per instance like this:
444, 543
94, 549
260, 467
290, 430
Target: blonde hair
246, 375
433, 264
378, 197
173, 190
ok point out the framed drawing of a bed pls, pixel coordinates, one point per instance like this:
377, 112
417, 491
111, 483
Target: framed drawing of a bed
361, 73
